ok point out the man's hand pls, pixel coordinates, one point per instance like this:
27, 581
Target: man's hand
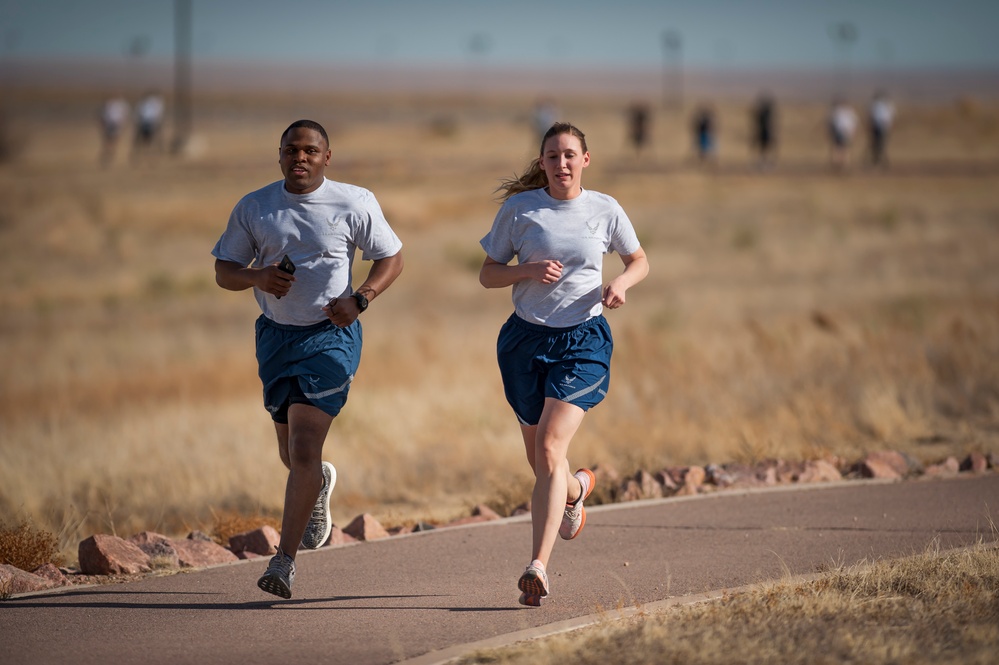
342, 311
271, 279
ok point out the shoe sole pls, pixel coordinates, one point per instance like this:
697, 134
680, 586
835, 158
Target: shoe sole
329, 517
530, 600
275, 586
532, 585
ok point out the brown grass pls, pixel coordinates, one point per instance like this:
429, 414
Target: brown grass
26, 547
791, 314
933, 608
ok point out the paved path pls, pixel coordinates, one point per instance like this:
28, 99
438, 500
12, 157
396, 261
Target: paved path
420, 597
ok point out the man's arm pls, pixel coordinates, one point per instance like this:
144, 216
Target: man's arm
344, 311
269, 279
383, 272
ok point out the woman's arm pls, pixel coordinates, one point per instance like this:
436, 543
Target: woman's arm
636, 267
495, 275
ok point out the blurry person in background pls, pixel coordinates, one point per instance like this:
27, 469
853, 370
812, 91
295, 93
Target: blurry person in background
842, 124
704, 133
881, 115
638, 126
554, 351
764, 130
148, 122
293, 242
113, 116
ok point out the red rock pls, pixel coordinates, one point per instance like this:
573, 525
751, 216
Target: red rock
338, 537
876, 468
159, 548
890, 458
768, 475
975, 463
694, 477
650, 487
819, 471
15, 581
482, 510
263, 541
366, 527
666, 481
630, 491
676, 474
52, 573
244, 555
200, 553
102, 554
949, 467
687, 490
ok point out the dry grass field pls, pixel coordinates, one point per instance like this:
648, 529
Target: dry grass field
792, 313
938, 607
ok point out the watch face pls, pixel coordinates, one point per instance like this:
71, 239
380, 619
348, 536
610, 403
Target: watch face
362, 301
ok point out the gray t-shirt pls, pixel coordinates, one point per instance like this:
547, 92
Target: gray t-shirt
533, 226
319, 232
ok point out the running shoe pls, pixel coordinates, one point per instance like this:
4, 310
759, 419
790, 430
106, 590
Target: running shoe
530, 599
279, 575
320, 524
574, 517
534, 581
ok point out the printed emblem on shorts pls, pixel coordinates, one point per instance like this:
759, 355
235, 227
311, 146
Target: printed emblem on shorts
568, 380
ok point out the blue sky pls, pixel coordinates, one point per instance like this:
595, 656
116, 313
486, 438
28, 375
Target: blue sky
553, 34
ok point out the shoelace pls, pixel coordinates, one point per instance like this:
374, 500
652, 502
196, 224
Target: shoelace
284, 565
319, 510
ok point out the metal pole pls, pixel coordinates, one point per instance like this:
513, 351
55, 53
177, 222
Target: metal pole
182, 75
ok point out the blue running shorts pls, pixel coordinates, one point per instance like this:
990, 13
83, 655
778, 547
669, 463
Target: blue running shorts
570, 364
306, 365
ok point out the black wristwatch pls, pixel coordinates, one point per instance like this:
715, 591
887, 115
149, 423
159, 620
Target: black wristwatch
362, 301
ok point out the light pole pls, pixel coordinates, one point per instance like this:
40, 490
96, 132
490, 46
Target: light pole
844, 34
182, 106
672, 44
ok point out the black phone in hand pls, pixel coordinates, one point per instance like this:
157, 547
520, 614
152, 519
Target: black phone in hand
286, 266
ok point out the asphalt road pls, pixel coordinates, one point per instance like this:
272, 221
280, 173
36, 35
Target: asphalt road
428, 596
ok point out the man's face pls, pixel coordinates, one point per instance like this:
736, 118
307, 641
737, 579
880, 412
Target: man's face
304, 157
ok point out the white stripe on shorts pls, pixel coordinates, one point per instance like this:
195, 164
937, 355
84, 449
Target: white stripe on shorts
331, 391
585, 391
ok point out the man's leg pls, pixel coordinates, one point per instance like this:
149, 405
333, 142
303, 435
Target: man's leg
306, 433
282, 438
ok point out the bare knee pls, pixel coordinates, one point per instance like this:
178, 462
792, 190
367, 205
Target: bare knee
303, 452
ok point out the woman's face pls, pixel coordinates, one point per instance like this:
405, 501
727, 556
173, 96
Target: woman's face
563, 161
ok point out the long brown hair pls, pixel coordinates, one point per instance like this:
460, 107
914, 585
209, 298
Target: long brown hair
534, 176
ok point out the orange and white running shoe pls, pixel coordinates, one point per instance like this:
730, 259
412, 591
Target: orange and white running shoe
530, 600
534, 581
574, 517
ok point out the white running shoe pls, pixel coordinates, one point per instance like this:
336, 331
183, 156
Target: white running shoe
321, 523
574, 517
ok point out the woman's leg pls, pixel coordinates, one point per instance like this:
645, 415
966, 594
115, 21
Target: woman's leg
547, 446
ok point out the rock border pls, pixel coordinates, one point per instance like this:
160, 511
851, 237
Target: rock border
108, 559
